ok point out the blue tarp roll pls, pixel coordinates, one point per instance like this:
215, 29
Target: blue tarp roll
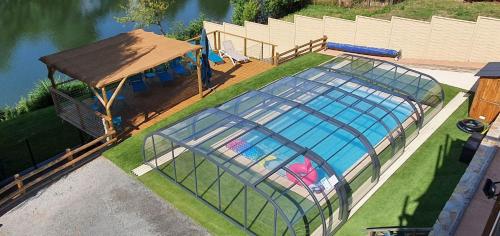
362, 49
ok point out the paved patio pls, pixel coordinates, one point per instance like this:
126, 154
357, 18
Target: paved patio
458, 74
97, 199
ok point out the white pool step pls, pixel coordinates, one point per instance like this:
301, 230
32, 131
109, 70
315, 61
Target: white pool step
143, 169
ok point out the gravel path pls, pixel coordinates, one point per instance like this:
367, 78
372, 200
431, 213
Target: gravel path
97, 199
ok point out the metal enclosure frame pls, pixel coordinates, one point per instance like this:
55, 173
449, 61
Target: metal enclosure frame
247, 151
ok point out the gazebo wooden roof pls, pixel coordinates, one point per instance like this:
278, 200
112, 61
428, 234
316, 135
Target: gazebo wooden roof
110, 60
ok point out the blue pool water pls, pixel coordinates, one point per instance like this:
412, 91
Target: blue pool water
337, 146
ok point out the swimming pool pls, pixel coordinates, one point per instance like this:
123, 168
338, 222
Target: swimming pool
303, 150
372, 113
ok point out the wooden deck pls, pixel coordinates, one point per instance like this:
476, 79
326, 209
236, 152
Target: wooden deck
140, 111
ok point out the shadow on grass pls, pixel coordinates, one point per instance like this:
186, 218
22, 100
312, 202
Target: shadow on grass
447, 173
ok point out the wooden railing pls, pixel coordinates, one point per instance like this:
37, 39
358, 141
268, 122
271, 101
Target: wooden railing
299, 50
79, 114
22, 184
275, 57
216, 40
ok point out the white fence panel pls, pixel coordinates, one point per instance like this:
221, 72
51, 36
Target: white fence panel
339, 30
236, 30
372, 32
450, 39
307, 28
211, 27
486, 42
410, 36
258, 32
282, 34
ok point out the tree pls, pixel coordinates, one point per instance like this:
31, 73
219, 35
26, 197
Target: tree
245, 10
145, 13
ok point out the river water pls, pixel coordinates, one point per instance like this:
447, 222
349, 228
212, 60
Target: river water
30, 29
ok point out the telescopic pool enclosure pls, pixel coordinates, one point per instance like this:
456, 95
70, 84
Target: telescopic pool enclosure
293, 157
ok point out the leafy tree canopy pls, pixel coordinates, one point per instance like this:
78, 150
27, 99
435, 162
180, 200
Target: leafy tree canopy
145, 13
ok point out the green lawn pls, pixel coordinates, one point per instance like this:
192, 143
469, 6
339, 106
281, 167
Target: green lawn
414, 9
420, 178
46, 133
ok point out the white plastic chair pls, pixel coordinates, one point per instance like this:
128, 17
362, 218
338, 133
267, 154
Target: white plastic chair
231, 53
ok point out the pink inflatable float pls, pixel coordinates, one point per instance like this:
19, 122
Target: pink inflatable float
305, 171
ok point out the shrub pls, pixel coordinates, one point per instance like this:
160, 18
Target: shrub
253, 10
245, 11
181, 32
38, 98
281, 8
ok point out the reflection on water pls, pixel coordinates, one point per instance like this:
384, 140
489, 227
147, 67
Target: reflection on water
33, 28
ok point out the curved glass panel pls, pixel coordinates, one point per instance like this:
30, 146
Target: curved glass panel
295, 156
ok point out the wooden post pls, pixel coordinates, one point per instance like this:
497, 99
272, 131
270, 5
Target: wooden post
310, 45
107, 106
215, 40
296, 51
273, 49
50, 74
262, 50
218, 40
19, 183
198, 72
70, 154
324, 41
116, 92
98, 96
277, 58
245, 46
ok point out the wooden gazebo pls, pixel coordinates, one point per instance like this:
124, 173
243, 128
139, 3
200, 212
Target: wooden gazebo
110, 62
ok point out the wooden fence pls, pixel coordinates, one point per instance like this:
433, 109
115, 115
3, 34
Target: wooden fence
24, 183
274, 57
299, 50
251, 47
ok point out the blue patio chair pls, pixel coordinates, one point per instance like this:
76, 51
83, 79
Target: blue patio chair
138, 86
165, 77
192, 63
117, 122
212, 56
119, 96
149, 74
215, 58
137, 83
135, 77
177, 67
160, 68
